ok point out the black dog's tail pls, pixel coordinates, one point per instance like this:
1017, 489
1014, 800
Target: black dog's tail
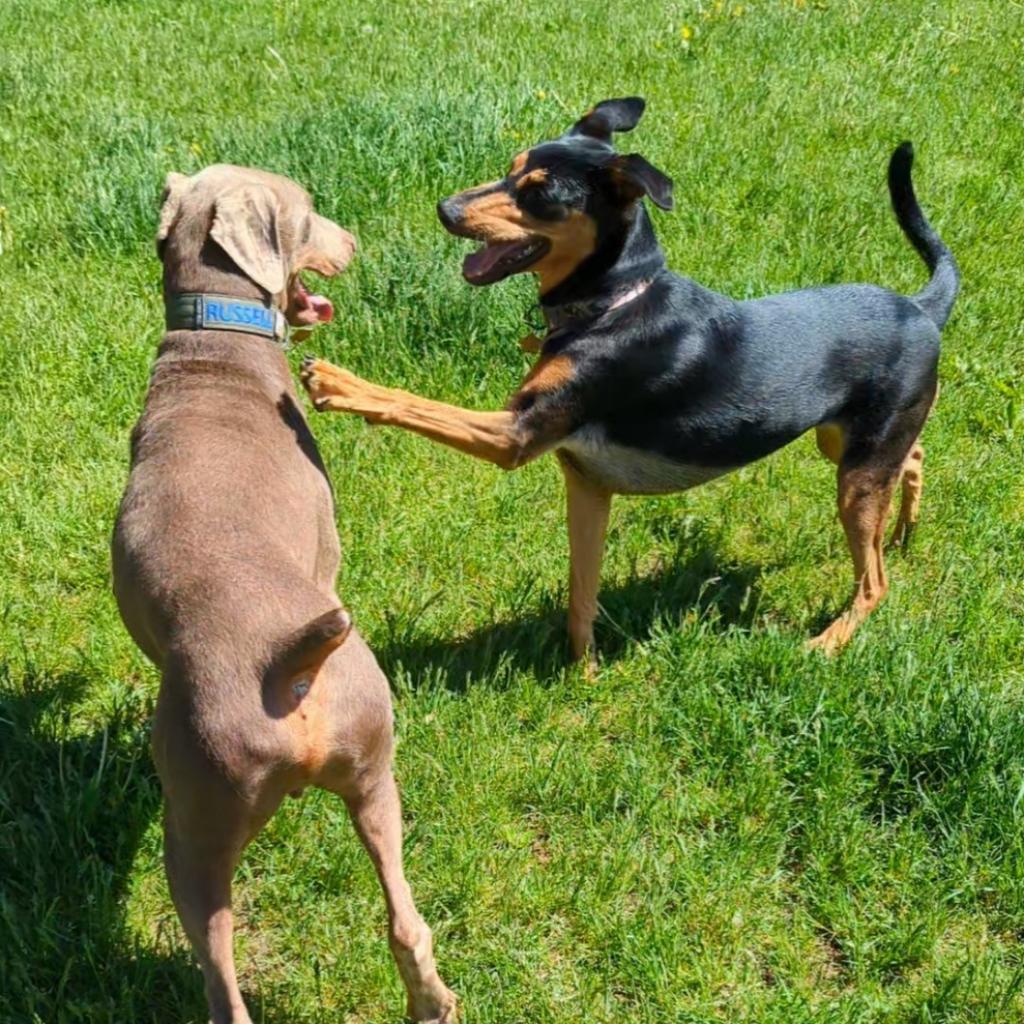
937, 296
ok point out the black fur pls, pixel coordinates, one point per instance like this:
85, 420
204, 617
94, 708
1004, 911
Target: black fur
701, 379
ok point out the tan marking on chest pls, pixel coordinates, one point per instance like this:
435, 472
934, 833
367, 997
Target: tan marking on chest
549, 374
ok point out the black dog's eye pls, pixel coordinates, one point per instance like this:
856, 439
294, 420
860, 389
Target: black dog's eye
537, 202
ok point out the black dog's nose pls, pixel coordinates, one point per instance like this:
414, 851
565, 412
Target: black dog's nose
450, 211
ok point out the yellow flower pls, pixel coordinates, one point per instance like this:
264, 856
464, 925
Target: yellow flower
687, 33
737, 10
195, 149
541, 94
954, 69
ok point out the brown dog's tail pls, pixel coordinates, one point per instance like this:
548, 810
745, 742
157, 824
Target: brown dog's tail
305, 650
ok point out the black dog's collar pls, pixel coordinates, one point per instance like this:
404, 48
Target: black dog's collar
200, 311
569, 314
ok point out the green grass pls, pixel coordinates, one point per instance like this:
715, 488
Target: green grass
720, 828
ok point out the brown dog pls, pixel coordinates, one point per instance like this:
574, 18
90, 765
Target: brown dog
225, 554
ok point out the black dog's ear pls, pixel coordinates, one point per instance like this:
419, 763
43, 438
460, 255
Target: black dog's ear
633, 177
609, 116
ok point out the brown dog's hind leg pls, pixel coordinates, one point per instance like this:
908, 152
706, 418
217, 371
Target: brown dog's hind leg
588, 507
910, 500
376, 814
200, 856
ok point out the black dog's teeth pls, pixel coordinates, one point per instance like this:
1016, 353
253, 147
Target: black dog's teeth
514, 257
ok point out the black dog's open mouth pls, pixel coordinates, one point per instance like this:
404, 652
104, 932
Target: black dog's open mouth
496, 261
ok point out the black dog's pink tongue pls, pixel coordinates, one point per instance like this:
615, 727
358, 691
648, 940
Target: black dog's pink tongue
481, 264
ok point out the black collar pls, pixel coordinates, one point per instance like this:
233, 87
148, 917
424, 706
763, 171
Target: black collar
568, 315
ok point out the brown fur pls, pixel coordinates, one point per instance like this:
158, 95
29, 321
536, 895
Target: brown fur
588, 507
548, 374
535, 177
487, 435
572, 241
830, 441
494, 217
519, 162
865, 495
224, 558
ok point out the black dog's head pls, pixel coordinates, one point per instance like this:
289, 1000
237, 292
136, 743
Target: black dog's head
559, 203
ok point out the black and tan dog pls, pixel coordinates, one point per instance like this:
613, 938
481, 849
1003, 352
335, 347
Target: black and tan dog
648, 383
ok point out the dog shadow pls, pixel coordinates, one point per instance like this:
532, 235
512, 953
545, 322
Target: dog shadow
74, 808
698, 584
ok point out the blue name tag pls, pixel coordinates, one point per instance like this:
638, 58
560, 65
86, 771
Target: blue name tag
229, 314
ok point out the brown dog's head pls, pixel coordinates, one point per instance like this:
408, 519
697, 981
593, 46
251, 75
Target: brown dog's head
230, 229
560, 203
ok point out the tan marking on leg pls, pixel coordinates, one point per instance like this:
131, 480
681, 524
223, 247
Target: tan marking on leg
588, 507
830, 441
492, 436
864, 500
910, 498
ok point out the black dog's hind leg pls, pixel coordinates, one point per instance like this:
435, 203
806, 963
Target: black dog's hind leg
871, 463
910, 499
865, 495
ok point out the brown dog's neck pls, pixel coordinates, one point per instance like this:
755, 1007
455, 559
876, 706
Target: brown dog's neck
215, 359
208, 268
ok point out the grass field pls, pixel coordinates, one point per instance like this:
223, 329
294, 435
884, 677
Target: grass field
720, 827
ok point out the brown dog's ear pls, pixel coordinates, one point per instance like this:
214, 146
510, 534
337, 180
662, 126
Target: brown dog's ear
610, 116
175, 187
245, 226
633, 177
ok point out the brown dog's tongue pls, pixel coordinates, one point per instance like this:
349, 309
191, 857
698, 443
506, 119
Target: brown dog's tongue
316, 309
322, 307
